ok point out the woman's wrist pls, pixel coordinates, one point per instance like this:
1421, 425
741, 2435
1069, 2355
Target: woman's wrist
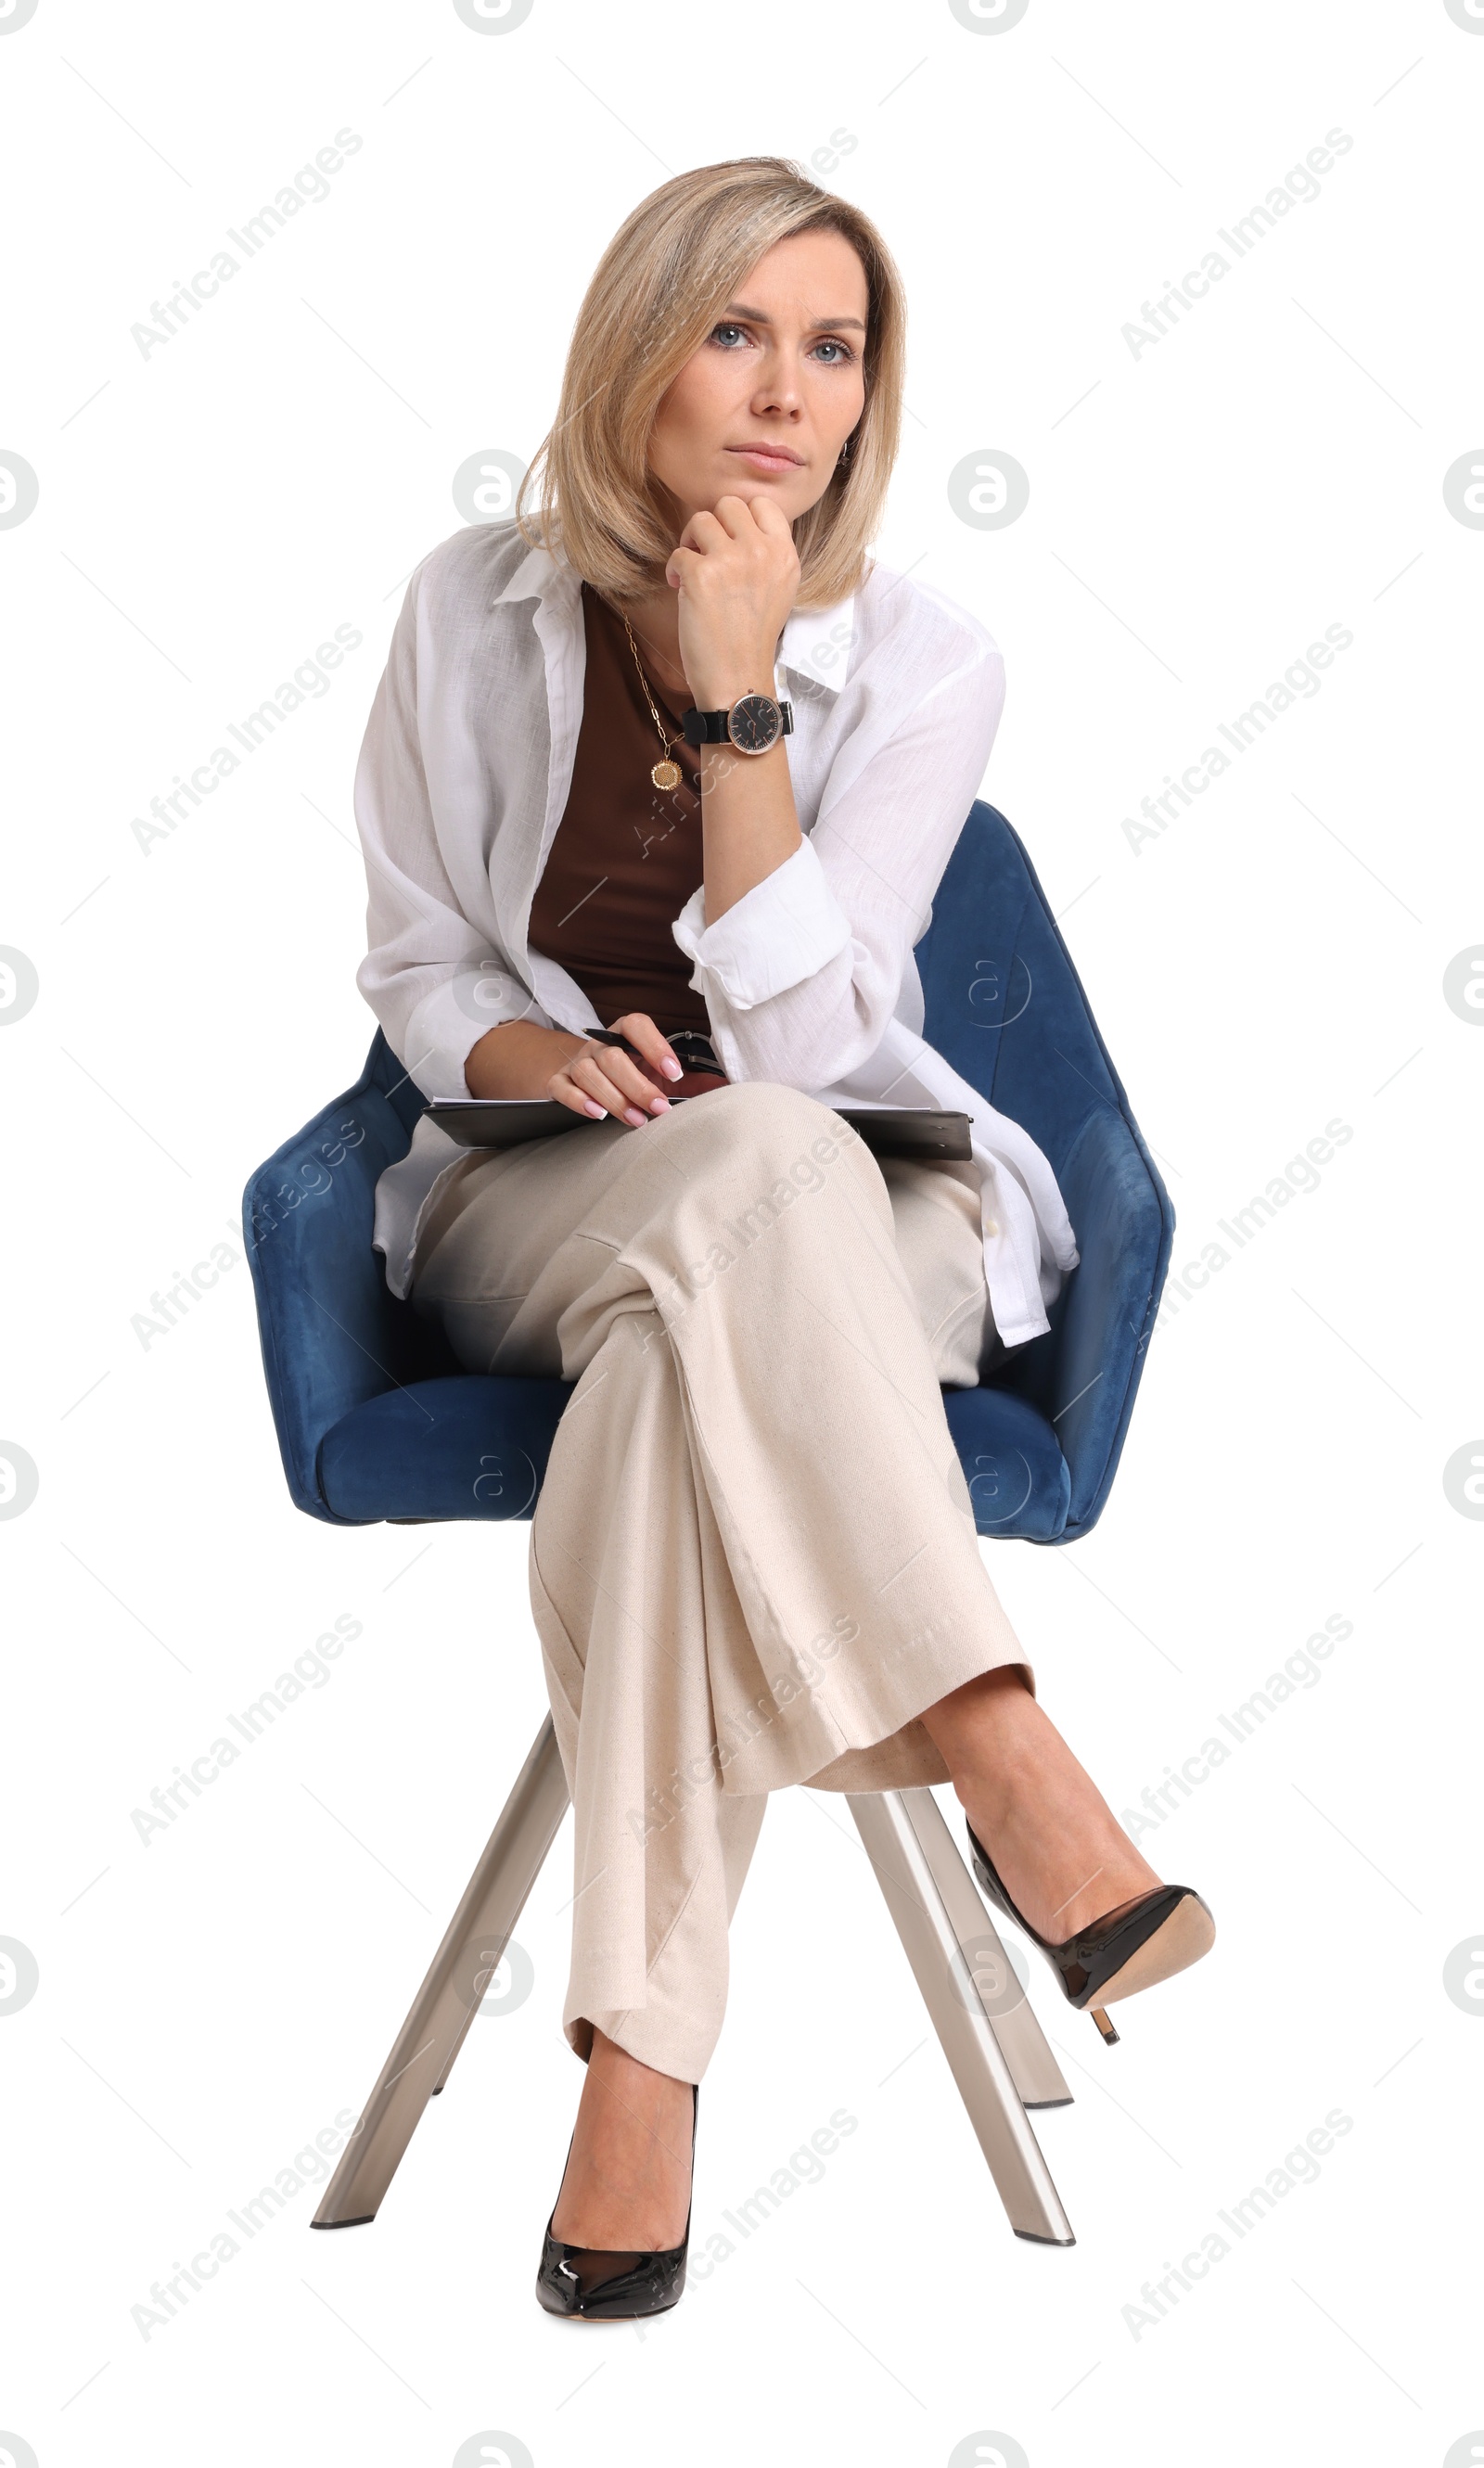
724, 679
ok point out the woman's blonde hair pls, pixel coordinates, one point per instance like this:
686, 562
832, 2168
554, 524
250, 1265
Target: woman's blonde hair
660, 286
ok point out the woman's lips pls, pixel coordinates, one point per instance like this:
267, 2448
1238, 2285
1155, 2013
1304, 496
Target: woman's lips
761, 460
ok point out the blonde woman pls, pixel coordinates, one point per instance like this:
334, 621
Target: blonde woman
656, 792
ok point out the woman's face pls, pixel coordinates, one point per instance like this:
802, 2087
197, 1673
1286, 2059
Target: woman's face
764, 407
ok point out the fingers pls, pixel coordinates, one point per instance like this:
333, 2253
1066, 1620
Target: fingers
736, 572
765, 541
730, 518
589, 1091
636, 1084
682, 566
769, 516
739, 515
601, 1080
705, 528
732, 515
641, 1031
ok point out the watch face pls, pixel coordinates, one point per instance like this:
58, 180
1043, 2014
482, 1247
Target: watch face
755, 722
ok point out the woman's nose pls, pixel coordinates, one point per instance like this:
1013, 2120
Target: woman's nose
778, 385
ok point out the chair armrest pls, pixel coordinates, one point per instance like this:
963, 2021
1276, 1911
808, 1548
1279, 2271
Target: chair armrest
333, 1331
1125, 1225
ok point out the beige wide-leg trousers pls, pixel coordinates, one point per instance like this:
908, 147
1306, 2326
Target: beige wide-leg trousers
753, 1561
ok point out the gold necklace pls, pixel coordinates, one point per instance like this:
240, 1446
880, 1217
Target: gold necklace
666, 772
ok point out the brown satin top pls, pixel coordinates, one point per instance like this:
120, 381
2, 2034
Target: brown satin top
627, 855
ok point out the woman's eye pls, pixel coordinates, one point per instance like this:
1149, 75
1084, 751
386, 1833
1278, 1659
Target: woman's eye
844, 350
718, 332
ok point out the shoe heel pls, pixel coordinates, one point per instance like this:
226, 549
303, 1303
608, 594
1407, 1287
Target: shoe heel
1104, 2026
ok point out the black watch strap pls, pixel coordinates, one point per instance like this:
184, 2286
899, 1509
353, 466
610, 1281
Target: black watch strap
711, 727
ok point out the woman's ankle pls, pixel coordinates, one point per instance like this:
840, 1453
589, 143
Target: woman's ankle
628, 2173
1062, 1855
642, 2086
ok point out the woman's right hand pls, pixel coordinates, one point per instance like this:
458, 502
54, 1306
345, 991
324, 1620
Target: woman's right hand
596, 1080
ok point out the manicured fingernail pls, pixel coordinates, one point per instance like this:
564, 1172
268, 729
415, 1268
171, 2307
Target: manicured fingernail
659, 1105
593, 1109
632, 1114
671, 1067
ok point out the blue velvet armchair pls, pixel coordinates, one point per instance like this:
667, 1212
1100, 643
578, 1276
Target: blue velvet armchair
377, 1421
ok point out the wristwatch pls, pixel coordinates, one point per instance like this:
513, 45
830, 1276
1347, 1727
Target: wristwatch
754, 723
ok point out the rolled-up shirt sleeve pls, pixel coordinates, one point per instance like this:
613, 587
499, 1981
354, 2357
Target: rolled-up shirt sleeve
786, 928
433, 982
803, 972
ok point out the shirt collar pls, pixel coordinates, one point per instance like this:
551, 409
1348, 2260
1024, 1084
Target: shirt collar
816, 643
538, 576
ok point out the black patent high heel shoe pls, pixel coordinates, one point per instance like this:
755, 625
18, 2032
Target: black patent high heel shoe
1134, 1946
588, 2283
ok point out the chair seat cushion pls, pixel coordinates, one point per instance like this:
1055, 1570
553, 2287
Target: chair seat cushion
474, 1447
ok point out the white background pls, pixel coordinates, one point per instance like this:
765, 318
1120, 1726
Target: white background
1198, 516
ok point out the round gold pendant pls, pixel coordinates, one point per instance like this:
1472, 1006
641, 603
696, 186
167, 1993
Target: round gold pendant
666, 774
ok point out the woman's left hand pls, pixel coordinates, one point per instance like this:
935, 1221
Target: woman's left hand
736, 572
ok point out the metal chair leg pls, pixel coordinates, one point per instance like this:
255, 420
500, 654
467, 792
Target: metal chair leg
450, 1997
1038, 2077
914, 1857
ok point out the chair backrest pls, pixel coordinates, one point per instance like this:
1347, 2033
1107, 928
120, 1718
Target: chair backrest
1004, 1004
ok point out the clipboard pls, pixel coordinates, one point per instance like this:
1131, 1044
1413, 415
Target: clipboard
924, 1132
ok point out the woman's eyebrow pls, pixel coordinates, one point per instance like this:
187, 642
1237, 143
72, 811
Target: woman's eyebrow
761, 317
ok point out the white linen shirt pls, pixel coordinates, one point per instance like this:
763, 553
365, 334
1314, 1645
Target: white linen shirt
809, 978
